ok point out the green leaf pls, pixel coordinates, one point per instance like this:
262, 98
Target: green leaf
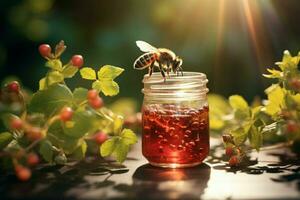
255, 138
128, 137
121, 151
54, 64
80, 95
84, 122
273, 74
69, 71
238, 102
88, 73
59, 139
118, 124
54, 77
79, 153
61, 159
216, 124
5, 139
42, 84
46, 150
109, 88
275, 99
109, 72
108, 146
50, 100
96, 85
239, 136
256, 111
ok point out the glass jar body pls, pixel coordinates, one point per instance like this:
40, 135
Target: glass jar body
175, 131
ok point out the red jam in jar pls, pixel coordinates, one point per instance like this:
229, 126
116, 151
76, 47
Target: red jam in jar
175, 124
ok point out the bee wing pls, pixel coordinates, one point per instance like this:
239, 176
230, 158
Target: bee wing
145, 47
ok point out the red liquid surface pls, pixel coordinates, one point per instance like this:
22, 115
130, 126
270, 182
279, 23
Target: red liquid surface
173, 135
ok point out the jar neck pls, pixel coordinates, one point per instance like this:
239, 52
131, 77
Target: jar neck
190, 86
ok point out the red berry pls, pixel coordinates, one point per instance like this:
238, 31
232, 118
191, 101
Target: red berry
18, 168
295, 83
96, 103
233, 161
34, 133
292, 127
13, 87
92, 94
229, 151
32, 159
77, 61
45, 50
100, 137
16, 123
66, 114
23, 173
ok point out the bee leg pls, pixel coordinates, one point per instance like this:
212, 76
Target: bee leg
151, 69
162, 72
180, 68
168, 69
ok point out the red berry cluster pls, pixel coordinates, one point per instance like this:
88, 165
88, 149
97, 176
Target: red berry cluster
31, 132
46, 52
232, 151
23, 171
94, 100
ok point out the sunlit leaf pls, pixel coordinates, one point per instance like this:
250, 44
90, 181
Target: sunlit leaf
42, 84
273, 74
238, 102
121, 151
54, 64
88, 73
275, 99
118, 124
96, 85
54, 77
69, 71
128, 136
109, 87
108, 146
109, 72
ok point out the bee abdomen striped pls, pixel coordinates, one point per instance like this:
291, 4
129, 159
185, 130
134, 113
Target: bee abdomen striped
144, 61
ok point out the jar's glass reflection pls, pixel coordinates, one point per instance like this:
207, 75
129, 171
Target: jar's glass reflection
182, 183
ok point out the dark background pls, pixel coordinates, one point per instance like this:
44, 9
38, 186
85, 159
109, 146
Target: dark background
232, 41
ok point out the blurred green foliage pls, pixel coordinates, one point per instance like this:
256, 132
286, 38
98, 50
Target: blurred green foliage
212, 36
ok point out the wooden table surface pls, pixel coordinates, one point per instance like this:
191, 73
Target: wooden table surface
274, 175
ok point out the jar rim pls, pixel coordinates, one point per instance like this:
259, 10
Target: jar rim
192, 85
156, 77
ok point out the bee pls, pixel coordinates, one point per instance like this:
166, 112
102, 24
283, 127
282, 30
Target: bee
164, 59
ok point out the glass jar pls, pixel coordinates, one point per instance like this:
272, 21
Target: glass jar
175, 125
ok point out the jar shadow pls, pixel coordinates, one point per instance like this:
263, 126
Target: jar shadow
151, 182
